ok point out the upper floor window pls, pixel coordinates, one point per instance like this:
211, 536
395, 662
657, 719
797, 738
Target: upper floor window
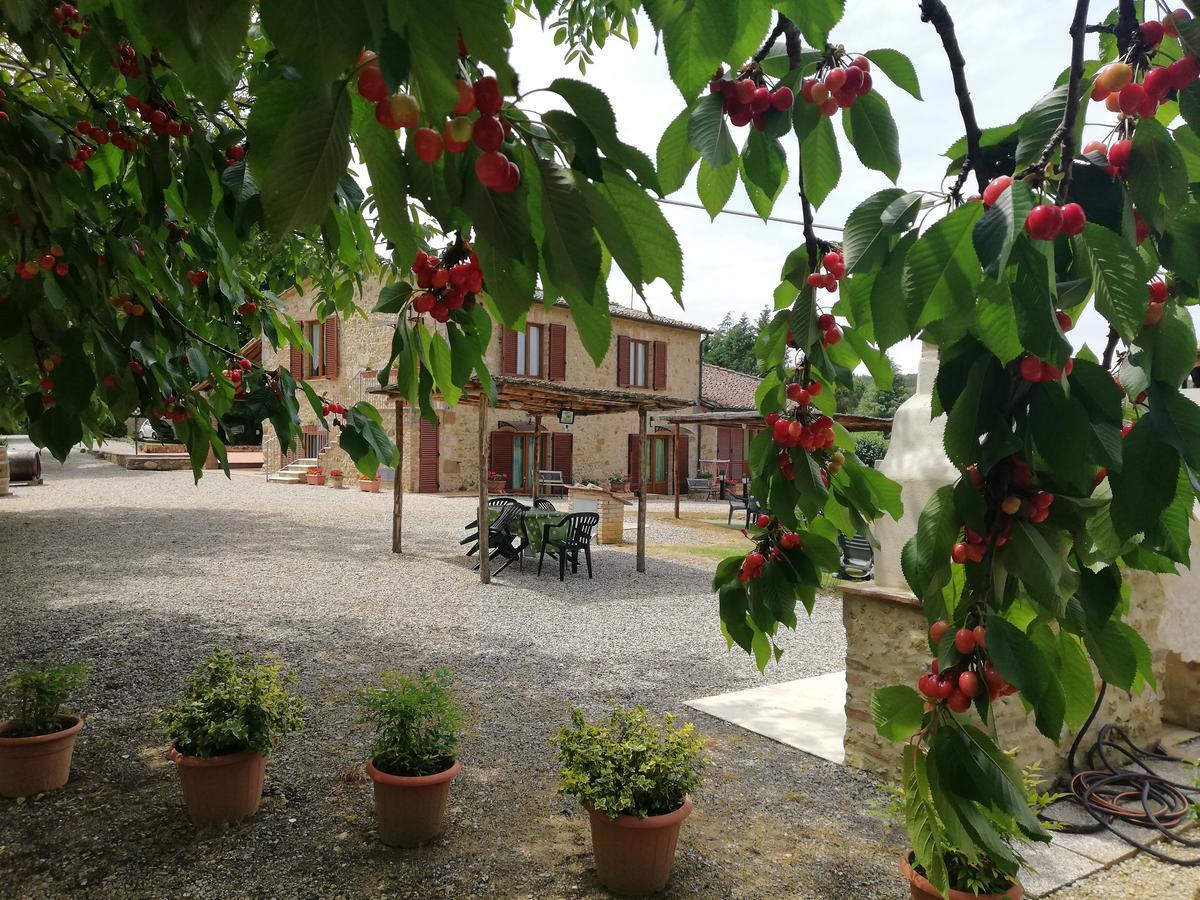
639, 354
529, 351
641, 363
322, 360
314, 362
540, 351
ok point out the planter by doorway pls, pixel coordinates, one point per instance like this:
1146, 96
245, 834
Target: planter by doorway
635, 856
619, 487
225, 788
922, 890
34, 765
371, 486
410, 810
315, 479
497, 487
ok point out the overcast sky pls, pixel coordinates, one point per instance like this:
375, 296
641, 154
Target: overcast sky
1015, 49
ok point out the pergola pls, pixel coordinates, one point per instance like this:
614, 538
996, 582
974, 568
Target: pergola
747, 419
536, 398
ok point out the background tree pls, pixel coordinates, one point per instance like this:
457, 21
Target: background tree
732, 344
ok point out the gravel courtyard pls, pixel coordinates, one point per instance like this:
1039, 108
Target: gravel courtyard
139, 574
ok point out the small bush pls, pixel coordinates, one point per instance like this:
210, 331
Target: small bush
32, 697
870, 450
417, 723
231, 704
628, 766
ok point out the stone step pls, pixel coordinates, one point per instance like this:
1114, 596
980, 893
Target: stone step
287, 478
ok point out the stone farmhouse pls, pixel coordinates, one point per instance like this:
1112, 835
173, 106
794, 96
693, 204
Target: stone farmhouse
647, 353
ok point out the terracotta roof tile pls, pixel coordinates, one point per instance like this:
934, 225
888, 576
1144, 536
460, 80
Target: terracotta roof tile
723, 388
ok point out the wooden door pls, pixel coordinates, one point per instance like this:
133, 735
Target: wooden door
731, 446
658, 459
427, 478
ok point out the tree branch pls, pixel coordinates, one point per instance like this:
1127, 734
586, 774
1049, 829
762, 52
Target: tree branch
771, 39
935, 12
795, 48
1078, 31
1127, 30
1109, 348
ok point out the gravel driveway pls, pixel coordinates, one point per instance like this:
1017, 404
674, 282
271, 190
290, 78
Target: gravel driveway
140, 573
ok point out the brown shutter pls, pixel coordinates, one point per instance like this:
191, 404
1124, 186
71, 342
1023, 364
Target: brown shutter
296, 362
635, 460
428, 478
508, 354
660, 365
331, 347
681, 455
561, 447
622, 361
557, 369
502, 455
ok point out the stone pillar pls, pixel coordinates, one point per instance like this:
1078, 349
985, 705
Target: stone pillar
610, 507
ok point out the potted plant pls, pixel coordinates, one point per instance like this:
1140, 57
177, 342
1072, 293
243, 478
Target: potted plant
712, 479
315, 475
618, 483
635, 779
496, 482
335, 478
414, 754
370, 485
37, 735
222, 730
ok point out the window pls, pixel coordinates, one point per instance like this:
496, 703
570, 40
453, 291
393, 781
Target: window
639, 355
529, 351
314, 363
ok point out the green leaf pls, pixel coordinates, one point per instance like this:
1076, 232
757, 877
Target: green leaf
868, 234
1112, 651
1157, 172
897, 712
1037, 126
1171, 344
696, 41
1145, 485
872, 132
708, 131
298, 167
1000, 226
996, 322
595, 111
764, 170
889, 314
386, 168
291, 24
1179, 243
715, 186
1119, 278
814, 18
200, 40
1022, 664
897, 67
920, 819
820, 162
1033, 304
431, 31
570, 246
1031, 558
1051, 415
942, 272
1176, 419
1076, 674
676, 157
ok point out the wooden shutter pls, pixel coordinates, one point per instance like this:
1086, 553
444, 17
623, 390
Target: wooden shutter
557, 368
501, 457
296, 362
428, 456
561, 448
635, 459
660, 365
681, 455
508, 355
622, 361
331, 347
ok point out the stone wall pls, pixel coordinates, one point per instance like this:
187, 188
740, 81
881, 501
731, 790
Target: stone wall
1181, 703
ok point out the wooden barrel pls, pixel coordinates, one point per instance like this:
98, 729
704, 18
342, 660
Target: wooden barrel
25, 464
3, 469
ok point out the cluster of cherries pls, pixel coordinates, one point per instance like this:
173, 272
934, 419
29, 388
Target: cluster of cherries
445, 289
1046, 221
1035, 370
831, 334
3, 112
1116, 88
789, 433
1157, 291
777, 539
161, 116
68, 20
197, 277
173, 410
840, 88
248, 308
835, 270
337, 408
393, 111
1116, 157
47, 383
960, 684
235, 375
126, 60
51, 259
235, 153
126, 304
745, 98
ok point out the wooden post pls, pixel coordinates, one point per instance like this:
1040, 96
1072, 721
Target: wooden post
643, 474
537, 454
745, 454
485, 567
676, 455
398, 481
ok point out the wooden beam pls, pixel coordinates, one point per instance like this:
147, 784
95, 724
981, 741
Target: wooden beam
643, 474
676, 462
485, 566
537, 454
398, 482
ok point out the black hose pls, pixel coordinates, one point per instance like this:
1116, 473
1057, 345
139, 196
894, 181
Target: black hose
1126, 789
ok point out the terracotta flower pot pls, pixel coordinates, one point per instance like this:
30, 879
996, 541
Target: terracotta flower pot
335, 481
371, 487
923, 890
409, 810
635, 856
315, 479
496, 487
619, 487
34, 765
226, 788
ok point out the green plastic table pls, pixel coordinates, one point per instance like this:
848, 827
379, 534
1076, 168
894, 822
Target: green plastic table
531, 523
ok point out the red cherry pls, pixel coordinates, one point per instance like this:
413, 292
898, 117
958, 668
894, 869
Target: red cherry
1131, 97
1073, 219
1118, 156
46, 261
62, 269
832, 336
428, 144
964, 640
813, 388
980, 637
995, 188
782, 99
938, 630
466, 98
831, 282
1031, 368
927, 685
371, 83
865, 87
488, 99
763, 520
945, 687
1157, 82
835, 80
1064, 320
1183, 72
861, 62
1153, 315
491, 168
959, 553
1044, 222
959, 702
760, 101
510, 180
969, 684
1157, 291
825, 321
488, 133
1152, 33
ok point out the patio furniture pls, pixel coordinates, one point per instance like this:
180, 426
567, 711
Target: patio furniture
744, 501
551, 480
566, 546
505, 540
542, 503
495, 503
699, 486
858, 558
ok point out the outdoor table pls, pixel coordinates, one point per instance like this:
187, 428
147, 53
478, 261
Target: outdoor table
531, 522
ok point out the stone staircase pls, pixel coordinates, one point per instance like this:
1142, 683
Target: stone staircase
292, 473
